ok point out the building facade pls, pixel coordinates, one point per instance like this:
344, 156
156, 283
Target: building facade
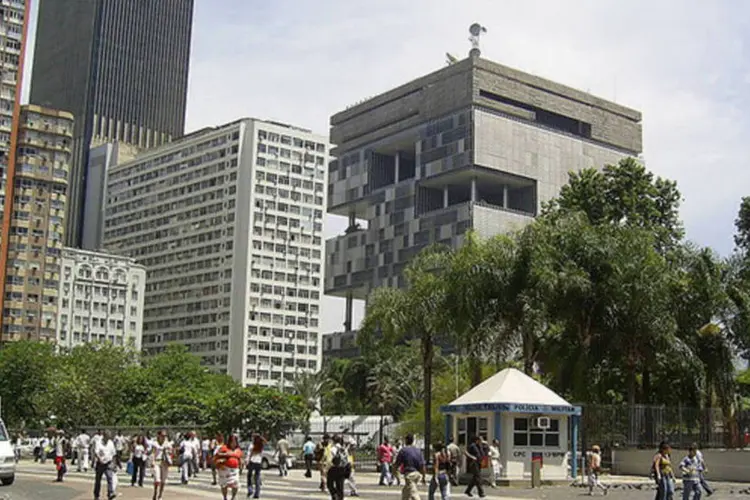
13, 28
37, 224
101, 159
228, 222
121, 67
473, 146
101, 299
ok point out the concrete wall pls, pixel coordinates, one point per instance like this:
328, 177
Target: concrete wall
723, 465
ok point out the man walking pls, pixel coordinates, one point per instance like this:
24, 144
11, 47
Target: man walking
105, 455
411, 459
83, 445
308, 451
454, 452
702, 469
282, 450
385, 457
474, 456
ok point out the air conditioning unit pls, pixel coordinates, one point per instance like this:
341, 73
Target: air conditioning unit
540, 422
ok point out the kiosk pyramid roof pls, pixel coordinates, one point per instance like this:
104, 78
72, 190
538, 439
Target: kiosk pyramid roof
510, 386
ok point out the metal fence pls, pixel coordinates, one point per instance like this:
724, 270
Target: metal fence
642, 426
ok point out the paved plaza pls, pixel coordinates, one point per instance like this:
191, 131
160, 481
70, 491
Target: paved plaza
35, 481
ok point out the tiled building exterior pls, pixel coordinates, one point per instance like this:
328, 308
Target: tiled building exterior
475, 145
228, 222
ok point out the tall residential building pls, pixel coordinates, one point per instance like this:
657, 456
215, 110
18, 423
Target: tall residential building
101, 299
121, 67
13, 26
37, 224
475, 145
228, 222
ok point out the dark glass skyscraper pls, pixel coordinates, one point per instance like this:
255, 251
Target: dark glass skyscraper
121, 67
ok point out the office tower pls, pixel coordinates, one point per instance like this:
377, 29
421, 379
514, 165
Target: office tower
475, 145
100, 299
228, 222
121, 68
36, 224
101, 159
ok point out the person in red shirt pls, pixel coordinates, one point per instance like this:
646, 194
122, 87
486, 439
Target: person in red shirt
385, 457
229, 461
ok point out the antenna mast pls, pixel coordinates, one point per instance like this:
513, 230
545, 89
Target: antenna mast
476, 31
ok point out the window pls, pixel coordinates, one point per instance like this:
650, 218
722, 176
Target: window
470, 427
526, 432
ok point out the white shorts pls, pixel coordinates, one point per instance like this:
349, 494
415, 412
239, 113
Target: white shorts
160, 472
229, 478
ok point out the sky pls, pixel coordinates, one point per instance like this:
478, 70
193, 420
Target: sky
684, 63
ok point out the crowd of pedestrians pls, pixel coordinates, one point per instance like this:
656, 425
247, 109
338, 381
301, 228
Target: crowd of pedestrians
332, 457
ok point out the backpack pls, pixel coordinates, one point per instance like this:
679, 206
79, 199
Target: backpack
341, 458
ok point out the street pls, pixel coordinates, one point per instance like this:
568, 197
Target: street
35, 482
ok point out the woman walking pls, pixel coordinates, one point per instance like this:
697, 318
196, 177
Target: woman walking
161, 459
663, 472
229, 458
138, 459
254, 465
441, 467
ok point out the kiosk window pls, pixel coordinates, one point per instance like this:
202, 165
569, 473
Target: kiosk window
526, 432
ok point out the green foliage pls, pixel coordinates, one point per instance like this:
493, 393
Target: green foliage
742, 226
103, 385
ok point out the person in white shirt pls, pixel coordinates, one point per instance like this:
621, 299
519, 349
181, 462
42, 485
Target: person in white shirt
186, 458
495, 461
138, 458
119, 447
82, 445
95, 440
161, 459
205, 447
105, 454
44, 445
196, 443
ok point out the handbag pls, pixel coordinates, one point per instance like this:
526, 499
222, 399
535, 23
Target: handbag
129, 468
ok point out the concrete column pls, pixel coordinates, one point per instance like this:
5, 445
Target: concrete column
348, 312
498, 425
445, 197
473, 189
505, 196
575, 420
397, 161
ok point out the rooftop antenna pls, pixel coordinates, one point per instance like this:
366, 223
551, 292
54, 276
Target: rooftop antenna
476, 31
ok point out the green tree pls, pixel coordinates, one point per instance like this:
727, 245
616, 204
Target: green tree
624, 194
26, 370
414, 312
742, 226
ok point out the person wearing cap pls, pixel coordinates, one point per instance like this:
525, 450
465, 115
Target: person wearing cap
595, 468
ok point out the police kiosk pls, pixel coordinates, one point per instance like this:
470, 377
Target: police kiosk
530, 421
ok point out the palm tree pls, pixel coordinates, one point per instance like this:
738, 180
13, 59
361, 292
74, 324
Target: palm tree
415, 312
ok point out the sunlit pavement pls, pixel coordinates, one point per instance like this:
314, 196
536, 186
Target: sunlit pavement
35, 481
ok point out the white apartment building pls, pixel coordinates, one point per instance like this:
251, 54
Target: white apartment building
229, 224
101, 299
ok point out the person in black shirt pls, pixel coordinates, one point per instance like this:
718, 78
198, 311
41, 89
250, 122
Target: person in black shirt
474, 454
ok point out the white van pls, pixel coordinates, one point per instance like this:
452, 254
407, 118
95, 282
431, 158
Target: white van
7, 457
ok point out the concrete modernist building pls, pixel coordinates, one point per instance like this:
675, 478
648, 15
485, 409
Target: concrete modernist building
37, 224
475, 145
101, 159
101, 299
121, 67
228, 222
